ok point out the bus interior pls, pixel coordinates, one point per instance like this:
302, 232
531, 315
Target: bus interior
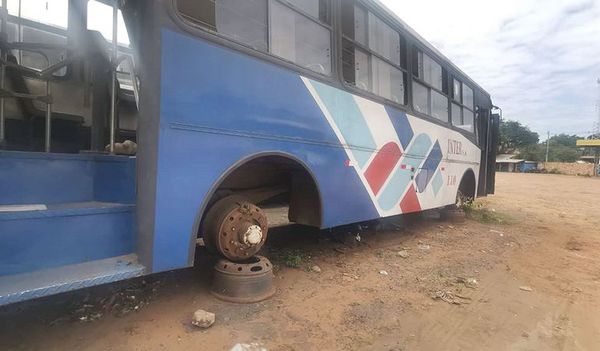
58, 61
68, 121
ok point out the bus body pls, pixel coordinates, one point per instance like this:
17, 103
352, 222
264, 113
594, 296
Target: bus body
337, 107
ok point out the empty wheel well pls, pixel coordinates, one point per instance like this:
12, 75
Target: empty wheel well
467, 185
274, 180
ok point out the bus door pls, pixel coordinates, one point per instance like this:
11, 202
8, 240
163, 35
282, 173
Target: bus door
487, 134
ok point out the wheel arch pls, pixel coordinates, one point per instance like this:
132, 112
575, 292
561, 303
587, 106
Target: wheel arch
204, 205
468, 182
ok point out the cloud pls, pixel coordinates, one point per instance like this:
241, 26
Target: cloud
539, 61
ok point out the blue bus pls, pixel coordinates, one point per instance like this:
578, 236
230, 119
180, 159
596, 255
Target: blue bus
124, 142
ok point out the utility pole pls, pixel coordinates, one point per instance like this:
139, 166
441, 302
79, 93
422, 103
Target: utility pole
547, 146
597, 130
597, 135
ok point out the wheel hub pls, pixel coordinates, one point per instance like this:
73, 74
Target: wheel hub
237, 229
253, 235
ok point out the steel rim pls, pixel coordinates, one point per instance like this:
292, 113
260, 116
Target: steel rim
237, 229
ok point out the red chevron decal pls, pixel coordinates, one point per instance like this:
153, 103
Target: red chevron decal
382, 166
410, 202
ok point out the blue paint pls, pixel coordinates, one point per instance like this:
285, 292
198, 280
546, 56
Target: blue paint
349, 119
20, 287
429, 166
401, 126
34, 240
40, 178
90, 213
262, 107
114, 181
395, 188
437, 182
418, 149
527, 166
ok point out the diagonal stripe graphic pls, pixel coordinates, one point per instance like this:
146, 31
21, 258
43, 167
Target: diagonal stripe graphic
382, 166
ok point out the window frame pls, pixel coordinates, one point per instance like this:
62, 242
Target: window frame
120, 45
460, 103
336, 78
414, 50
203, 31
328, 26
19, 15
403, 56
21, 22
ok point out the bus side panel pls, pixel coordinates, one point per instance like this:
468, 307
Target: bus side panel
220, 107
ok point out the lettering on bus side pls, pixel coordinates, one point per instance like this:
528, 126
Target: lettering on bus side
451, 180
455, 148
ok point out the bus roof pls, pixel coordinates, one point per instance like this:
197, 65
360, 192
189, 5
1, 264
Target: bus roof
384, 9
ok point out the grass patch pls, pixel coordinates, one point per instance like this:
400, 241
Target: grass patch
291, 258
481, 214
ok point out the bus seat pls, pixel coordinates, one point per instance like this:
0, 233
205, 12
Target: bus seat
30, 110
27, 133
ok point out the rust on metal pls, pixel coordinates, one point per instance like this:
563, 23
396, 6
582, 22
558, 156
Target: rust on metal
235, 228
243, 282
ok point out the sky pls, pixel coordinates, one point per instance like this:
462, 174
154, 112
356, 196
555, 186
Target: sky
538, 59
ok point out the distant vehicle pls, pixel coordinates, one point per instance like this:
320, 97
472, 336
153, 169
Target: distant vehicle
336, 108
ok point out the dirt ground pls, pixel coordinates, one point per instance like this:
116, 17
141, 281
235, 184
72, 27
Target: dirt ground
520, 271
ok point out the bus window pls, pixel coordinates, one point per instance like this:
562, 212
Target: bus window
429, 87
457, 91
421, 98
384, 40
456, 114
468, 97
388, 81
50, 57
372, 55
429, 71
199, 11
39, 22
439, 106
298, 30
468, 120
100, 16
242, 21
358, 29
299, 39
53, 13
317, 9
462, 107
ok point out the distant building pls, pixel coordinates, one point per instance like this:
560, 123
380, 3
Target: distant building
507, 163
588, 159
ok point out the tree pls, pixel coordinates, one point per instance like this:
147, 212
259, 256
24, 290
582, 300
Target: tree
594, 137
535, 153
514, 135
565, 140
562, 153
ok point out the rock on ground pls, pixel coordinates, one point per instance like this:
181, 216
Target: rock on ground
403, 254
203, 319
